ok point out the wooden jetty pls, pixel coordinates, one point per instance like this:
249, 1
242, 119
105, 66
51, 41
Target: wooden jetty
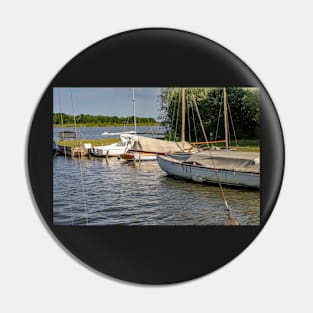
78, 151
68, 134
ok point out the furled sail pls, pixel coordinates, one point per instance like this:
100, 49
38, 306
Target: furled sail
227, 160
152, 145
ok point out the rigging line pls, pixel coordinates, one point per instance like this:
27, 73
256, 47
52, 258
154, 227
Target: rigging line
229, 139
134, 110
79, 160
173, 114
126, 122
188, 115
177, 118
150, 126
66, 160
219, 118
194, 122
232, 124
213, 161
171, 126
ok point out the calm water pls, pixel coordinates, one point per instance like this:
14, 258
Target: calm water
95, 132
118, 192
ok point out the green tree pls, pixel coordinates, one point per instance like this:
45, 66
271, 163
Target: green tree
244, 113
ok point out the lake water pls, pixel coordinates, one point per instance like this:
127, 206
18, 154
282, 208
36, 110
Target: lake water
95, 132
95, 192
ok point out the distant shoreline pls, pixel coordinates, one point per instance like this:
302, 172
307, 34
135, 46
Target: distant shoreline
102, 125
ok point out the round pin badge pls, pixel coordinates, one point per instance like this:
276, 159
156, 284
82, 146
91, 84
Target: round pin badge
155, 156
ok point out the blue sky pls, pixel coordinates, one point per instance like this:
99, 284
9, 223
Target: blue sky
107, 101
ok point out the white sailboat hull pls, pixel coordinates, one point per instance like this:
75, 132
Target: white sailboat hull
103, 151
210, 175
115, 149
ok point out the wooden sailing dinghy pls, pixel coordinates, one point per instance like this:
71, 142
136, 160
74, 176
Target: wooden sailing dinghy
229, 167
226, 167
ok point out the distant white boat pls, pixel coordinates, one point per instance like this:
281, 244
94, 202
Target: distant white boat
118, 134
228, 167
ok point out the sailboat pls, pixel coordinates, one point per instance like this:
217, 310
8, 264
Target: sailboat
115, 149
131, 138
120, 147
147, 149
222, 167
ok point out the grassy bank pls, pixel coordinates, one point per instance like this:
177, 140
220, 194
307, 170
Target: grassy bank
245, 145
252, 145
94, 142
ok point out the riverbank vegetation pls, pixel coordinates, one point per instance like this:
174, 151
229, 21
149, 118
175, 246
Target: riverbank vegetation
243, 113
87, 120
243, 117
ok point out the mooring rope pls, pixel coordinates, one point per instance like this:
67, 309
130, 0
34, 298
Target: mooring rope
230, 220
79, 159
66, 160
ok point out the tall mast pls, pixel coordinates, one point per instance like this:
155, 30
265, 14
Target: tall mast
183, 117
134, 110
226, 118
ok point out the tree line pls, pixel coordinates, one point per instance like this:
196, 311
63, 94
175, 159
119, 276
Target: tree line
99, 120
243, 112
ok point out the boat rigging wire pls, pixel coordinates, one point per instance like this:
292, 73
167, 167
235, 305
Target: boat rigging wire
218, 120
188, 108
232, 123
173, 115
66, 160
175, 137
194, 123
79, 159
230, 218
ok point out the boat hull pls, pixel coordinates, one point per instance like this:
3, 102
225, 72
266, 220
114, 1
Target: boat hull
107, 152
202, 174
113, 150
137, 156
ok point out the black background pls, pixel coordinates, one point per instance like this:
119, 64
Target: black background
154, 58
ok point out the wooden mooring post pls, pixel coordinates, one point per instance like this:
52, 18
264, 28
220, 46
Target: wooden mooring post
78, 151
